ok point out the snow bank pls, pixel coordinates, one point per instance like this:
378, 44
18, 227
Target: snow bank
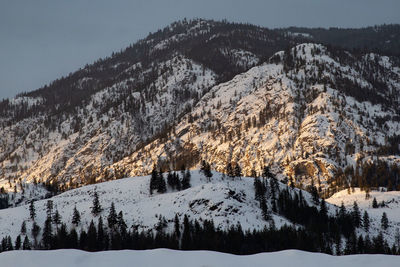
173, 258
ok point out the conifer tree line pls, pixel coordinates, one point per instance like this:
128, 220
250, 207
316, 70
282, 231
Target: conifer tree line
319, 232
175, 180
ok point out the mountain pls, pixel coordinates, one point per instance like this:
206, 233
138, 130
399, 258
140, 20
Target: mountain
319, 115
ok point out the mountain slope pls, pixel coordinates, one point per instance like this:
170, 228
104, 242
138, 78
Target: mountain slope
297, 115
210, 90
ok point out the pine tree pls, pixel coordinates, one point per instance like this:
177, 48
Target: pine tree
186, 235
229, 170
112, 217
57, 218
161, 186
32, 210
101, 235
49, 208
26, 245
366, 221
374, 203
384, 221
73, 239
397, 238
266, 173
206, 168
121, 223
92, 237
237, 171
153, 181
23, 228
18, 243
177, 226
323, 211
9, 244
356, 215
186, 180
264, 209
35, 231
170, 180
96, 208
76, 217
47, 234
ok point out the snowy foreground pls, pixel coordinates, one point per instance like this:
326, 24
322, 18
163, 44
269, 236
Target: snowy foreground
173, 258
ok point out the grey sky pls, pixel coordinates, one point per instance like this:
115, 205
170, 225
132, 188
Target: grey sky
42, 40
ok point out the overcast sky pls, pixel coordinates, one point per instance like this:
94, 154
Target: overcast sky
42, 40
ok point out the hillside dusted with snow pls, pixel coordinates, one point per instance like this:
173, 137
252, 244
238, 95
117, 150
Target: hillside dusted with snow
307, 119
222, 92
229, 204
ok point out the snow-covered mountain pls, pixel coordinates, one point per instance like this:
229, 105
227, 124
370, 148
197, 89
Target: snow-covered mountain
223, 92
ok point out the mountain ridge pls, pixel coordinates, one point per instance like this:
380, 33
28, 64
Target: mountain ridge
137, 106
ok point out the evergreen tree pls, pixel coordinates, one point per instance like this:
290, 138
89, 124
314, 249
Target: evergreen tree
161, 186
121, 223
35, 231
47, 234
177, 226
170, 180
384, 221
9, 245
92, 237
186, 235
229, 170
57, 218
264, 209
366, 221
112, 217
374, 203
49, 208
101, 235
153, 180
18, 243
32, 210
237, 170
83, 240
356, 215
23, 228
206, 168
323, 211
186, 180
61, 237
267, 174
26, 245
397, 238
73, 239
76, 217
96, 208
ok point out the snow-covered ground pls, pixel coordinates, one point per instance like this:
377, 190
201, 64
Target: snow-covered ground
391, 200
224, 200
173, 258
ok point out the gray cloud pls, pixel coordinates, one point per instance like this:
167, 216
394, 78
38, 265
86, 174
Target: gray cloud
43, 40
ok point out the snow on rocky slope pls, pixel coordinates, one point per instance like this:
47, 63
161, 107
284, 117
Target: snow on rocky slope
307, 111
272, 115
225, 201
172, 258
391, 206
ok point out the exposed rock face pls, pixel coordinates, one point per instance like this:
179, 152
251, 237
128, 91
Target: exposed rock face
307, 111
